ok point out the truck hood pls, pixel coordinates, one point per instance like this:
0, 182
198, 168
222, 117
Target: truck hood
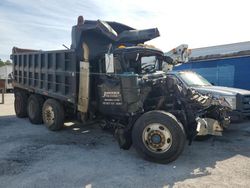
221, 91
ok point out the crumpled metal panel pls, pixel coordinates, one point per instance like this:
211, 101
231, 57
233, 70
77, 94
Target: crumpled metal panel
98, 35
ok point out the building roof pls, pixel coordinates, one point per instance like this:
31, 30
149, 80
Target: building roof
227, 50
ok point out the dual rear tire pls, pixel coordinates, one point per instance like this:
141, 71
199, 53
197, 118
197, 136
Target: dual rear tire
20, 104
53, 115
34, 109
49, 112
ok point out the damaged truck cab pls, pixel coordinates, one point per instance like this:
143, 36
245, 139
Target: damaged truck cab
111, 77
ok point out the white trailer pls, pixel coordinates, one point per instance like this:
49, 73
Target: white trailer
6, 76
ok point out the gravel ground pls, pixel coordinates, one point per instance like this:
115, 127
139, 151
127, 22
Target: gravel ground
80, 156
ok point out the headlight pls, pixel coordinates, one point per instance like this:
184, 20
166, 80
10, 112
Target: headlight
232, 101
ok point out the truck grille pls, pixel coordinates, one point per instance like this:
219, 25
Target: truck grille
246, 104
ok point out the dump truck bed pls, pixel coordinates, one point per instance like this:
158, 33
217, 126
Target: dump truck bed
51, 73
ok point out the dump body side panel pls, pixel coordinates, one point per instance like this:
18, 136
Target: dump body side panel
50, 73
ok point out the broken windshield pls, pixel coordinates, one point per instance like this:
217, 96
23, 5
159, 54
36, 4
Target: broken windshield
150, 64
141, 60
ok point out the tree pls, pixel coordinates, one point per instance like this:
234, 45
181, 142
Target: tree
7, 62
1, 63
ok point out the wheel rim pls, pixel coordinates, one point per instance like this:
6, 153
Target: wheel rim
31, 109
49, 115
157, 138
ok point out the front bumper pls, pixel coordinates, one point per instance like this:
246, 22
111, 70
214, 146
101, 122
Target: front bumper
242, 105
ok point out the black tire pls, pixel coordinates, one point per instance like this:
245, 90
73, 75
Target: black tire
34, 109
53, 115
202, 138
166, 121
20, 104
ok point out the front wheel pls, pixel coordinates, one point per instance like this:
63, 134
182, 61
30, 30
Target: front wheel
158, 136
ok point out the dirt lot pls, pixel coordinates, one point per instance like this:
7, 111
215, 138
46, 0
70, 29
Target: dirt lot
32, 156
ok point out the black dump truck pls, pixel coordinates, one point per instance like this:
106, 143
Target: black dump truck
111, 77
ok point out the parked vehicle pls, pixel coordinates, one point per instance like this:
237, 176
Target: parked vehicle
239, 99
6, 77
105, 78
224, 65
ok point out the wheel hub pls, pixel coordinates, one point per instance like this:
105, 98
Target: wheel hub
157, 138
49, 115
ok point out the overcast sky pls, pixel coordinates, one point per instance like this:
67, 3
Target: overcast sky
46, 24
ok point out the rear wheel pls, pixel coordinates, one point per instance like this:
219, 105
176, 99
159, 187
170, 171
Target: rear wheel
20, 104
34, 109
158, 136
53, 114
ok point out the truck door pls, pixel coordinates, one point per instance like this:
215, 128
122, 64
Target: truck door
109, 87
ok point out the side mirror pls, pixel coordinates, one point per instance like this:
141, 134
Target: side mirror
212, 83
